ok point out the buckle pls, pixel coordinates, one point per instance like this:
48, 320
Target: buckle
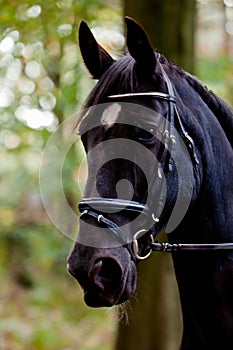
135, 245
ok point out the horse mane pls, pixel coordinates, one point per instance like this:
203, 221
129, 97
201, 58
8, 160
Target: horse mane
121, 77
222, 111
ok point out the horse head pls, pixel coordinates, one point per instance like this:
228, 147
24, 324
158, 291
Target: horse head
130, 138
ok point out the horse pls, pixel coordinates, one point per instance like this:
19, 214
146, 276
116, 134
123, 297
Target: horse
178, 137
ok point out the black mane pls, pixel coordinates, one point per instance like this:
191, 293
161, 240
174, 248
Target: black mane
222, 111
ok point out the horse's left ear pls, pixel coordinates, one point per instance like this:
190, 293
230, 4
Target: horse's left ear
139, 46
96, 59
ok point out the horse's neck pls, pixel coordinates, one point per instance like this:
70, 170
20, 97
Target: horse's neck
222, 111
205, 278
205, 285
213, 138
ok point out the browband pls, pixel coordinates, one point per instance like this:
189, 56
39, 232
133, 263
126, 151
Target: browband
160, 95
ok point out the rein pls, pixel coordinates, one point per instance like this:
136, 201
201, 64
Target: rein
97, 207
177, 247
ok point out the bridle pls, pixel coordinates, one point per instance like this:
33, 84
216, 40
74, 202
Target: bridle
97, 207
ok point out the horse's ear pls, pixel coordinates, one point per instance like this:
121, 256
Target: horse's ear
139, 46
96, 59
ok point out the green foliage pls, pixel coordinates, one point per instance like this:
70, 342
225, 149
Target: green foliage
47, 313
43, 81
217, 75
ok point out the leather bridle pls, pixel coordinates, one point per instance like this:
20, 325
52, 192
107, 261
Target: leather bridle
97, 207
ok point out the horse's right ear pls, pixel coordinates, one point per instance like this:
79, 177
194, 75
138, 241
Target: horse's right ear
96, 59
139, 47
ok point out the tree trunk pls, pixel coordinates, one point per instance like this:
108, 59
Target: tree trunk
170, 25
155, 322
154, 317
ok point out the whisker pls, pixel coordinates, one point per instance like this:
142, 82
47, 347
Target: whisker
123, 313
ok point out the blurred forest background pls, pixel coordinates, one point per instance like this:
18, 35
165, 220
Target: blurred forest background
43, 82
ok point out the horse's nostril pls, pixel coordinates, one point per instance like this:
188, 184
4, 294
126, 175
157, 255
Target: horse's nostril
105, 272
94, 273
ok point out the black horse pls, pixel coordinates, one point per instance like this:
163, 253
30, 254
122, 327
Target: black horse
144, 99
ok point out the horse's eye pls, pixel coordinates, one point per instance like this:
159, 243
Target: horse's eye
146, 134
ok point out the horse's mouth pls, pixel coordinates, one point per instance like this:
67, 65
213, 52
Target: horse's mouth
94, 296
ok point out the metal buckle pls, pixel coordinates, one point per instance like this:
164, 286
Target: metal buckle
135, 245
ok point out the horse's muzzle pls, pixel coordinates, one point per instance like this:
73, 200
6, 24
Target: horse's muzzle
105, 280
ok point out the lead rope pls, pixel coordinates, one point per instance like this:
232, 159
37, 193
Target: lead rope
176, 247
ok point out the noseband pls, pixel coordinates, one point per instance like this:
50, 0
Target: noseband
97, 207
